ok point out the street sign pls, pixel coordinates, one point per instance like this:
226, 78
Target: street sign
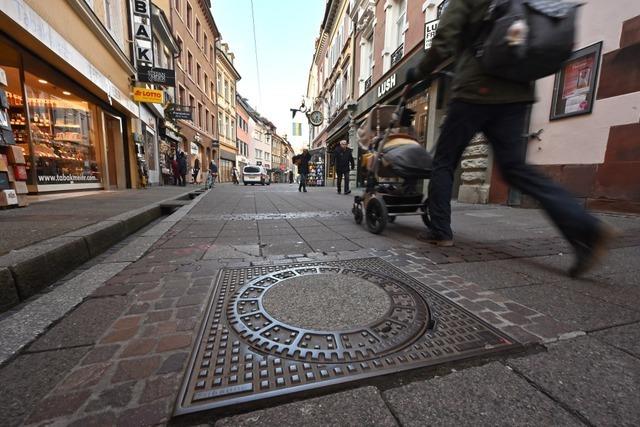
142, 32
430, 29
154, 96
160, 76
181, 112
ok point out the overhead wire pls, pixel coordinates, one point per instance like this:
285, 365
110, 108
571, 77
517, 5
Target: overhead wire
255, 49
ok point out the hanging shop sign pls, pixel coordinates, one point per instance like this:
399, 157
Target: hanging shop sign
142, 33
430, 29
387, 85
154, 96
195, 149
181, 112
159, 76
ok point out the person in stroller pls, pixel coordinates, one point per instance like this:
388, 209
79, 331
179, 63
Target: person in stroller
343, 157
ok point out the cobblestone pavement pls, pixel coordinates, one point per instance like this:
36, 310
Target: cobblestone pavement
120, 356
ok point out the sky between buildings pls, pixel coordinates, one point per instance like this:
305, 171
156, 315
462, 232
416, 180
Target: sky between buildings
285, 32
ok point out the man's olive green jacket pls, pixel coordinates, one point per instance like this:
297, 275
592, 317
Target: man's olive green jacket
460, 25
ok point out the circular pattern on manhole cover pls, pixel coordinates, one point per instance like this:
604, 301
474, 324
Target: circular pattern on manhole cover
326, 302
359, 314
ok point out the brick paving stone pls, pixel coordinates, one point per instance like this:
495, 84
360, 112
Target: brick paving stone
119, 335
157, 388
100, 354
147, 415
150, 296
189, 300
186, 312
139, 347
127, 322
58, 405
113, 290
114, 397
516, 318
158, 316
103, 419
187, 324
173, 363
139, 308
84, 377
164, 303
136, 369
173, 342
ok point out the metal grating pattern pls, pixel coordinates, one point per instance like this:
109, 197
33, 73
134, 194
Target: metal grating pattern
244, 354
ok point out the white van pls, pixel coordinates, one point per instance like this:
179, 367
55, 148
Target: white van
255, 175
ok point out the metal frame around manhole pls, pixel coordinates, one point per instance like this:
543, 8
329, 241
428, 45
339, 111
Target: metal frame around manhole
234, 362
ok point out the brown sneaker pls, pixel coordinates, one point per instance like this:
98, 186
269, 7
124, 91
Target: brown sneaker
588, 255
430, 237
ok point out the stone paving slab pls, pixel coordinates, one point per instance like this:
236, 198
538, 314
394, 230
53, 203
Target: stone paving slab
597, 381
56, 217
491, 395
359, 407
28, 378
585, 313
626, 338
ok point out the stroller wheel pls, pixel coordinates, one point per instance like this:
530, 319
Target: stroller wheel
425, 215
357, 212
377, 215
391, 219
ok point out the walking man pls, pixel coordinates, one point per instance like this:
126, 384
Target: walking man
496, 107
303, 169
182, 168
213, 172
343, 158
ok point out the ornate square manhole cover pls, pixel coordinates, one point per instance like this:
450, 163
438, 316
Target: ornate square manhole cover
275, 330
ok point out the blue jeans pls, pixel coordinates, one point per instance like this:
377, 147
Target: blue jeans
503, 125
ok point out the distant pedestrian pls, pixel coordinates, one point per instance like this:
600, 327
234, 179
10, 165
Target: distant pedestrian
213, 172
343, 158
196, 170
303, 169
290, 177
175, 170
234, 175
182, 168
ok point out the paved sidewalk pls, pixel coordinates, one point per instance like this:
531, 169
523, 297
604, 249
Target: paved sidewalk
120, 357
43, 220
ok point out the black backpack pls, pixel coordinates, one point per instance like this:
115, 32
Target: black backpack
550, 32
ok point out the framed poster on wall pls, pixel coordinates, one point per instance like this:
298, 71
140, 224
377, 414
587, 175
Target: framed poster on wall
575, 85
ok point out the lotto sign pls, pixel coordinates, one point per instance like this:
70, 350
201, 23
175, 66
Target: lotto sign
430, 29
142, 32
154, 96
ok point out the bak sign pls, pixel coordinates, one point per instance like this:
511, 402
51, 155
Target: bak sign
154, 96
142, 32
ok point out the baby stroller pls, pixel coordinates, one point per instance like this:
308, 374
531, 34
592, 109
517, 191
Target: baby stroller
394, 163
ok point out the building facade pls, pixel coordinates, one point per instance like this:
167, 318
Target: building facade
226, 78
587, 131
68, 73
196, 32
243, 135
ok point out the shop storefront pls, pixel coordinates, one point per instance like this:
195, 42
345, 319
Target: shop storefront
70, 139
227, 162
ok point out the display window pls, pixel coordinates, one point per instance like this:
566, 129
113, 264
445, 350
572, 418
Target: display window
55, 127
